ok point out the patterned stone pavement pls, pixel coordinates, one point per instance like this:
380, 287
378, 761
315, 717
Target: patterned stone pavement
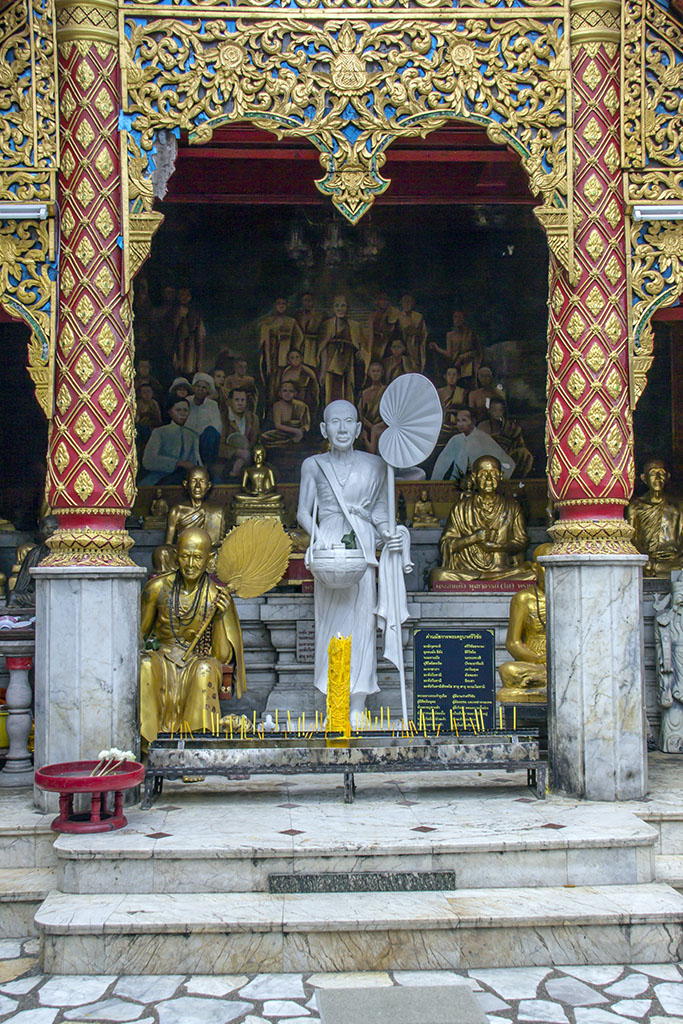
650, 993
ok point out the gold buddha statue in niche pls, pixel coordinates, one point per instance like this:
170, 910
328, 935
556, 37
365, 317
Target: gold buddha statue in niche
423, 513
658, 522
158, 512
177, 686
485, 535
258, 497
525, 679
196, 512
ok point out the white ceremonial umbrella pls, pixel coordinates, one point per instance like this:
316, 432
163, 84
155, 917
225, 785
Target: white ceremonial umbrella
411, 409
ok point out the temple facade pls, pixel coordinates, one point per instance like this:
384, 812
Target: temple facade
97, 97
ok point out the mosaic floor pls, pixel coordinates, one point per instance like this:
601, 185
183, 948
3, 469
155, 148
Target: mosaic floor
566, 995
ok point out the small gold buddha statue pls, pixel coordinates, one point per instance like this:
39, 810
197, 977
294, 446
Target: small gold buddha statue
423, 514
485, 535
158, 512
6, 526
258, 497
196, 512
658, 522
525, 679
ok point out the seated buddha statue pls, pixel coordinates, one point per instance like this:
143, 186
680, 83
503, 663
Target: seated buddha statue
197, 512
157, 516
258, 496
658, 522
485, 535
525, 679
423, 514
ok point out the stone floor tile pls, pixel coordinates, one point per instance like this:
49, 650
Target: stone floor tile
488, 1002
541, 1010
250, 1019
594, 1015
312, 1003
215, 985
300, 1020
492, 1019
7, 1005
598, 974
665, 972
44, 1015
73, 989
572, 991
31, 947
512, 983
10, 948
665, 1020
274, 986
22, 986
631, 985
631, 1007
420, 978
106, 1010
148, 988
283, 1008
351, 979
11, 969
193, 1010
670, 995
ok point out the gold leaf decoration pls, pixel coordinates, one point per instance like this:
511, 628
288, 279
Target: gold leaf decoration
107, 399
66, 339
556, 413
614, 440
576, 384
68, 223
67, 283
576, 439
128, 429
85, 251
85, 310
85, 133
595, 357
612, 158
613, 270
106, 339
104, 223
61, 457
611, 100
104, 282
595, 245
84, 427
64, 397
110, 458
85, 75
129, 488
592, 132
556, 356
84, 485
613, 213
592, 76
576, 325
597, 414
84, 367
103, 103
596, 469
595, 300
593, 190
85, 193
613, 328
555, 468
613, 383
104, 163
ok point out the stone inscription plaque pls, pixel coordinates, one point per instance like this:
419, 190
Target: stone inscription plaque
455, 671
305, 642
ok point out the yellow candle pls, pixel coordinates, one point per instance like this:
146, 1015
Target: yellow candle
381, 716
339, 685
303, 722
514, 717
464, 723
433, 720
500, 715
289, 722
230, 726
276, 722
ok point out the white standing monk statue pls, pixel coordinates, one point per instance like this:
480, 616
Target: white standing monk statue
345, 504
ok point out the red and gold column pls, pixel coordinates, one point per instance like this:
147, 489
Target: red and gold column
91, 456
590, 427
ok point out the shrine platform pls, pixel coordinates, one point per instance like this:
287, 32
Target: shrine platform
426, 871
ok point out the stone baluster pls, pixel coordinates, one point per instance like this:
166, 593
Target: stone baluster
18, 769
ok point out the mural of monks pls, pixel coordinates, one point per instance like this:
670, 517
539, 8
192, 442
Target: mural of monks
279, 333
343, 353
413, 332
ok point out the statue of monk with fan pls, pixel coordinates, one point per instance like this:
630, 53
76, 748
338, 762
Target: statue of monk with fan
195, 623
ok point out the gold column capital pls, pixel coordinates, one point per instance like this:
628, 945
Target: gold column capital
595, 21
90, 20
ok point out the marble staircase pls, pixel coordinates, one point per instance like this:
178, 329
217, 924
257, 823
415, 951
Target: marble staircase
203, 882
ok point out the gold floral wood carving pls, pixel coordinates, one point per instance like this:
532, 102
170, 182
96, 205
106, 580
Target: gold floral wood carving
351, 87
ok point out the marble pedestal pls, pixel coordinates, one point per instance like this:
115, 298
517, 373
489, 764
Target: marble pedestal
86, 665
596, 717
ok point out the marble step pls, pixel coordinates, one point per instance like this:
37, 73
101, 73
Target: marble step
22, 890
522, 846
669, 869
229, 933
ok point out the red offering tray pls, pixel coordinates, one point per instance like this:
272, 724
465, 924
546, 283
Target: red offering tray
72, 777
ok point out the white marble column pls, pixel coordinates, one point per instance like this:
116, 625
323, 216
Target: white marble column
596, 711
87, 663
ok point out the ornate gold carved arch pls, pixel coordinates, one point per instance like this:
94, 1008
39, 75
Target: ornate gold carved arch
351, 80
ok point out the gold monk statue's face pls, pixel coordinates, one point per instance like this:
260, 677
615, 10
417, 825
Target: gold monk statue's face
194, 551
655, 476
487, 476
197, 483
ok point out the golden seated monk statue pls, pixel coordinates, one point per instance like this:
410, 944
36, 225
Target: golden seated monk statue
179, 682
157, 516
658, 522
525, 679
197, 512
258, 497
423, 513
485, 535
